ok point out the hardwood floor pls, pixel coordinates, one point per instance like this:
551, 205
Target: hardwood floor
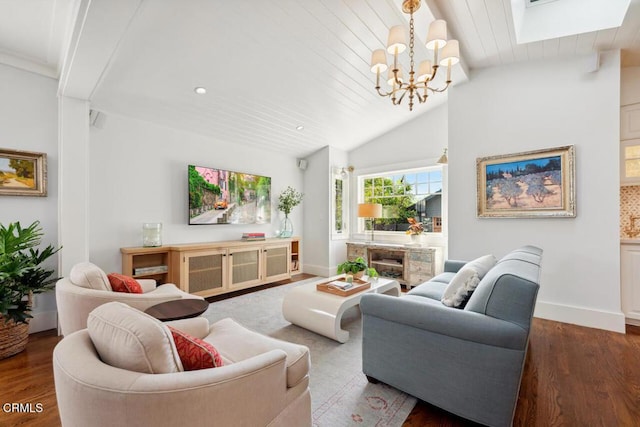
27, 378
573, 376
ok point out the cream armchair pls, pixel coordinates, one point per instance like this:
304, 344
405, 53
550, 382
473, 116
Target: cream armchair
264, 381
87, 287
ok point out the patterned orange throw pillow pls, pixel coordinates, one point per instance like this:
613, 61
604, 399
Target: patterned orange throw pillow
195, 353
126, 284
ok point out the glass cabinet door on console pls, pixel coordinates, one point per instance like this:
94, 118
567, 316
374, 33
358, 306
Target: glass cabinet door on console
204, 273
245, 266
276, 262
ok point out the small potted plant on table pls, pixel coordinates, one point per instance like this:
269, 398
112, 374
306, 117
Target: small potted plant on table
356, 269
415, 230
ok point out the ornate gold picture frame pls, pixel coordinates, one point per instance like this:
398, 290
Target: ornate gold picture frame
532, 184
22, 173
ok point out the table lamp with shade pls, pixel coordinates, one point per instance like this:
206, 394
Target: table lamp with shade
371, 211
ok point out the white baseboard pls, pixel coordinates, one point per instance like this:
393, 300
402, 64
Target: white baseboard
600, 319
43, 321
318, 270
632, 321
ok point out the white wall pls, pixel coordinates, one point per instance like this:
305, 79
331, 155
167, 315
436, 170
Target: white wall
416, 143
419, 140
338, 159
630, 85
533, 106
73, 183
138, 174
316, 241
29, 121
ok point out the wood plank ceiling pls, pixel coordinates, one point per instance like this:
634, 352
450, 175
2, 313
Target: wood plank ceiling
272, 65
487, 36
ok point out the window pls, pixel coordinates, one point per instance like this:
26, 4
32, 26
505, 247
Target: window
413, 193
339, 200
631, 159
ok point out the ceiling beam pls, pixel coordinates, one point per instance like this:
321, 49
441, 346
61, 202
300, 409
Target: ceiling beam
100, 26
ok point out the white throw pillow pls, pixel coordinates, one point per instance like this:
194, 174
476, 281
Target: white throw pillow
88, 275
482, 264
130, 339
466, 280
461, 285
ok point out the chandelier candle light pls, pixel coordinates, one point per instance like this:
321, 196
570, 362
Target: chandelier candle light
418, 86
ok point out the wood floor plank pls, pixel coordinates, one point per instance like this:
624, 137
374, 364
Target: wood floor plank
573, 376
27, 378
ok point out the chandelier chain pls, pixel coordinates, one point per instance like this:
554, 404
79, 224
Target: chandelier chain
411, 43
411, 86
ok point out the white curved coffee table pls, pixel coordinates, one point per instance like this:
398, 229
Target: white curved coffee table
321, 312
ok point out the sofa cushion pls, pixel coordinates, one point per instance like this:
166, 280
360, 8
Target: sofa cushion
125, 284
195, 353
466, 280
88, 275
236, 343
443, 277
430, 289
132, 340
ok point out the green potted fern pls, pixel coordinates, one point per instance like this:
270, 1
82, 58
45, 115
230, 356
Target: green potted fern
357, 268
21, 276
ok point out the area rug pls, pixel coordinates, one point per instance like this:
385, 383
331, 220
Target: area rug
340, 393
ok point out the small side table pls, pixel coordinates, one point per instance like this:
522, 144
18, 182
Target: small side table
178, 309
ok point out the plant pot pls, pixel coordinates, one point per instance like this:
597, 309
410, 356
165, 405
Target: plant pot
416, 240
353, 276
13, 337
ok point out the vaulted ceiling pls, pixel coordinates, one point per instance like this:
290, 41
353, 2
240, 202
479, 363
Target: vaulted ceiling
270, 66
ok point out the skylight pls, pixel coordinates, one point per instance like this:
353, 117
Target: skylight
559, 18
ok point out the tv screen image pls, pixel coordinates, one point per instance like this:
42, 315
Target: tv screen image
218, 196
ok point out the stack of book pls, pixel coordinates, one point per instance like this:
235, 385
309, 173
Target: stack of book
156, 269
253, 236
340, 285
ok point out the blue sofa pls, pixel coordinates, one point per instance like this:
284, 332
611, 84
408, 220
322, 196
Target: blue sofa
467, 361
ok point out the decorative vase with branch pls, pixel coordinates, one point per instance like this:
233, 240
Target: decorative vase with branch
415, 230
21, 276
287, 200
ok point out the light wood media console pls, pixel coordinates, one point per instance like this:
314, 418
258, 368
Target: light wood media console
214, 268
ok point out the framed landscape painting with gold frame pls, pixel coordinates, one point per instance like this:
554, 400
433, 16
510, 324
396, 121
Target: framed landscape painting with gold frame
22, 173
532, 184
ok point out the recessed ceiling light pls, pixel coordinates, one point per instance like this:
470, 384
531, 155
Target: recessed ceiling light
299, 127
200, 90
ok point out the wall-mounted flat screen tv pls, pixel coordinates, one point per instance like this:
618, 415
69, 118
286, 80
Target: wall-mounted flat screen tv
218, 196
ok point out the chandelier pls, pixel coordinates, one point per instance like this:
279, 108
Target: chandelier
420, 85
